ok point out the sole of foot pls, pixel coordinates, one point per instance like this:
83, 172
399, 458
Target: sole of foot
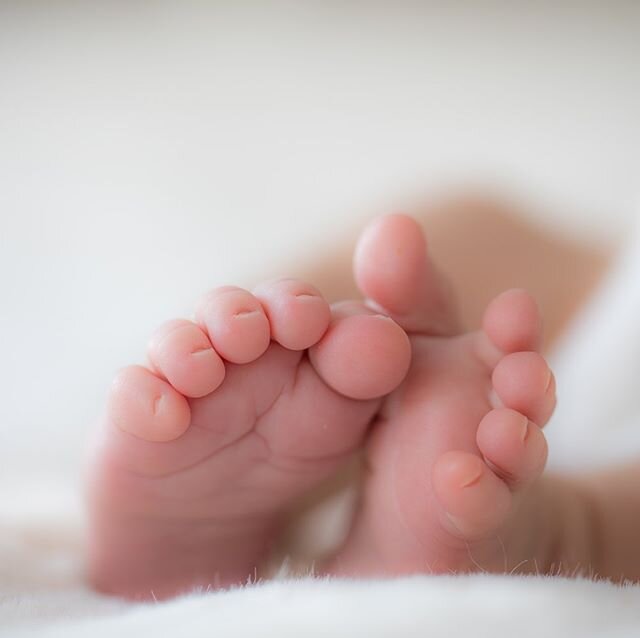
456, 448
237, 415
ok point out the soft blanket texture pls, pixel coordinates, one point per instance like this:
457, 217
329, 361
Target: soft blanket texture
480, 606
41, 590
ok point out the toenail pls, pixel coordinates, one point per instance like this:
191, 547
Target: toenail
224, 290
245, 313
525, 428
305, 295
472, 477
201, 350
157, 404
549, 382
494, 399
457, 523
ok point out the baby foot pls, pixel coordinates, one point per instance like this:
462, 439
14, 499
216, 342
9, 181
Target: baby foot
456, 447
240, 413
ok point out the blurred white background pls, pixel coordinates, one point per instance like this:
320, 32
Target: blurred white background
151, 150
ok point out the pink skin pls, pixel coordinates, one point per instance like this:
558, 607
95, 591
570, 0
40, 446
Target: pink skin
456, 446
200, 457
269, 393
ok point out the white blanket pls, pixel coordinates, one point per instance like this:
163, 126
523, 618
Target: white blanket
42, 593
479, 606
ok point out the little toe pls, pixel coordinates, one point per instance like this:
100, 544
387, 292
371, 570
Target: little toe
511, 323
362, 355
513, 447
182, 353
236, 324
297, 312
524, 382
147, 407
475, 501
393, 270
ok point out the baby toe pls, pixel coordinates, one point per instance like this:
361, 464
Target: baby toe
393, 270
181, 352
475, 501
236, 324
297, 312
147, 407
514, 447
524, 382
362, 355
511, 323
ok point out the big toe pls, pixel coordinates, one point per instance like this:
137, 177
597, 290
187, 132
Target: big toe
393, 270
363, 355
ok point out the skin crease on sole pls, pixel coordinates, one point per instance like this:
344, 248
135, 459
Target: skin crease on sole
202, 453
456, 446
269, 393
